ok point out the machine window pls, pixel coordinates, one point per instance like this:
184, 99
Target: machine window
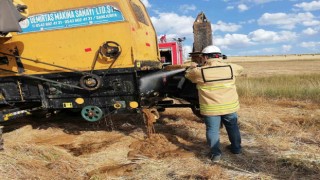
139, 14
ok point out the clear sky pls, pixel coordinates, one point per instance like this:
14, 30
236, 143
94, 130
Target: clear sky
243, 27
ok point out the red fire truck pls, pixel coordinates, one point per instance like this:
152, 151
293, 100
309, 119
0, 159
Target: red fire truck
171, 52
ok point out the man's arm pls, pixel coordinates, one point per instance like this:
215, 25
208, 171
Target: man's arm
192, 74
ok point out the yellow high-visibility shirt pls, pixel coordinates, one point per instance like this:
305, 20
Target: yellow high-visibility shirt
216, 86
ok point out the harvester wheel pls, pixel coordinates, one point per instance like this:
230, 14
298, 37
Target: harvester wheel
90, 82
92, 113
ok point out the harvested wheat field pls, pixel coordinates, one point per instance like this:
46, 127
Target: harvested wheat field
280, 138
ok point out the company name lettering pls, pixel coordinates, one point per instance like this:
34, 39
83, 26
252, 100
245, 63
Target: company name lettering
64, 15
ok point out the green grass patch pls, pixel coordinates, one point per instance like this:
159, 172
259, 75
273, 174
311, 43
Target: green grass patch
295, 87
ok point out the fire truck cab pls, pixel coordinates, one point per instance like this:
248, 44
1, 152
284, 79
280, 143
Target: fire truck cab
171, 53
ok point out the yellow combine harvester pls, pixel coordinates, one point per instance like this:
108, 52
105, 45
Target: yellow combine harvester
96, 57
85, 55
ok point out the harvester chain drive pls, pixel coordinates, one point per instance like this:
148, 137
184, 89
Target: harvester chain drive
150, 116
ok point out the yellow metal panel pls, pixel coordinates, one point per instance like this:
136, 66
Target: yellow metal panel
77, 47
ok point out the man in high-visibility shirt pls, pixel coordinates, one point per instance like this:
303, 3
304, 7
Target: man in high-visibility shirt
218, 99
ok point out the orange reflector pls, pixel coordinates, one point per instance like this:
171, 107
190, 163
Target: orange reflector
79, 100
133, 104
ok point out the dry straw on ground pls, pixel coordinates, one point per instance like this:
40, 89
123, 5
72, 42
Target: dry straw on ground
281, 140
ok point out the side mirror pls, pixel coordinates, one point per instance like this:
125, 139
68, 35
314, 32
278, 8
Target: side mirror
224, 57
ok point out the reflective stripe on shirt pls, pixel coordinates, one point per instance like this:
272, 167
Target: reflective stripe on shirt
216, 87
219, 107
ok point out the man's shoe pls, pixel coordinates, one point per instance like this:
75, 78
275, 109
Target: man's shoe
216, 158
233, 151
